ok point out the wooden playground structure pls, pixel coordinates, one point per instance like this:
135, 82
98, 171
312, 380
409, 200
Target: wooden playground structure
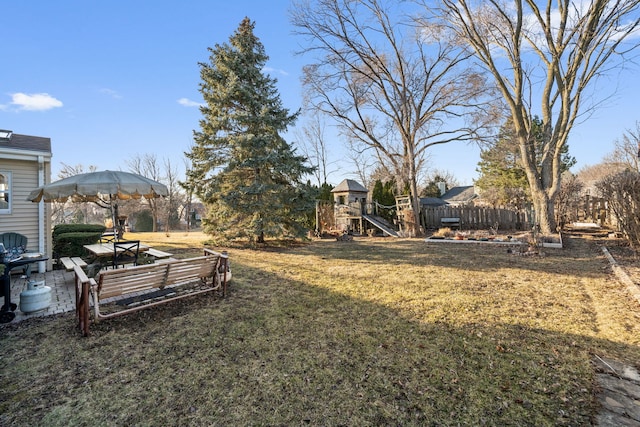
350, 213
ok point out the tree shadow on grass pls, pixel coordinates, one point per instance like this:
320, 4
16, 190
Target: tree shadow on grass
279, 351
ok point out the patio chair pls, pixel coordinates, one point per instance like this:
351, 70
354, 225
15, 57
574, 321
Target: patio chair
15, 244
125, 252
107, 237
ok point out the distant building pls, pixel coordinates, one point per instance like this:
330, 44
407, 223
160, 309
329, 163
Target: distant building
460, 196
432, 202
454, 197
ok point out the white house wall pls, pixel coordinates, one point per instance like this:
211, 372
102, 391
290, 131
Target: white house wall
24, 214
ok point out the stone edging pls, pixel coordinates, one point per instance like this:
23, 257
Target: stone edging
622, 275
489, 242
619, 392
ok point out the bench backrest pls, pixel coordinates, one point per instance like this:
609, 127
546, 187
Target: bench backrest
449, 219
192, 269
144, 277
130, 279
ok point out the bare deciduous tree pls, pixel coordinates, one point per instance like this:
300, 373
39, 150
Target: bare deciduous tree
543, 58
188, 198
175, 202
148, 165
70, 211
590, 175
627, 150
168, 208
569, 199
392, 84
361, 161
313, 144
441, 175
622, 192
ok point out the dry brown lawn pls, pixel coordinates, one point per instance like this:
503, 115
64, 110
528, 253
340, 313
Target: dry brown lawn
369, 332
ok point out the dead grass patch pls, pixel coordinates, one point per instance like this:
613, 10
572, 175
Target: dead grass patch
369, 332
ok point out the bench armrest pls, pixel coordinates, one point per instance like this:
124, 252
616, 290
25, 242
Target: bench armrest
84, 285
222, 269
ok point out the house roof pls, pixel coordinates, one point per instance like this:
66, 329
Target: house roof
432, 201
26, 143
351, 186
459, 194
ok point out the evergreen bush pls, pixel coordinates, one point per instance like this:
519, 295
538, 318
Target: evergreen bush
69, 239
71, 244
77, 228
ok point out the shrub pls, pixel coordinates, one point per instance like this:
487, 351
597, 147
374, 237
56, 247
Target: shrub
77, 228
444, 232
71, 244
622, 192
144, 221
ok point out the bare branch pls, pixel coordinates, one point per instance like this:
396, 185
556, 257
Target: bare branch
393, 82
554, 55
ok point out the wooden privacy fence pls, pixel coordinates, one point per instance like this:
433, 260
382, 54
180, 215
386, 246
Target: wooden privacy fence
474, 218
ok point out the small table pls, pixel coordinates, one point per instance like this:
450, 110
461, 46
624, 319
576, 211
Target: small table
7, 312
103, 250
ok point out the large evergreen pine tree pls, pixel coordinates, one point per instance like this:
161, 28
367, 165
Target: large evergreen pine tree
247, 175
502, 179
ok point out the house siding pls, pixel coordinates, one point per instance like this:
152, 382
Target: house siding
24, 214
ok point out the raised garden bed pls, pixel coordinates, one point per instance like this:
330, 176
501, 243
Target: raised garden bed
551, 241
481, 236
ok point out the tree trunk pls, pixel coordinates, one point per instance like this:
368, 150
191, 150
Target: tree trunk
410, 163
544, 211
154, 214
415, 207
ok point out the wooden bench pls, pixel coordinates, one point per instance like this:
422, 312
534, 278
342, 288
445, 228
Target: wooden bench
209, 270
450, 222
157, 254
71, 262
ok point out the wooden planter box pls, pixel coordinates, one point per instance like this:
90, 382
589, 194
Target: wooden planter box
556, 242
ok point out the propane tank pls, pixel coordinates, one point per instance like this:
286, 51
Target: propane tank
37, 297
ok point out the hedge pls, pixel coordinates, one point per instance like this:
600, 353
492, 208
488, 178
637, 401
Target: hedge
77, 228
71, 244
69, 239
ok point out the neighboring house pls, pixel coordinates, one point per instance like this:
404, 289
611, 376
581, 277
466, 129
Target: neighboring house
460, 196
25, 164
432, 202
456, 197
195, 214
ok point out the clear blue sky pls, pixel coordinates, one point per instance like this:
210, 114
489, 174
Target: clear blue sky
110, 80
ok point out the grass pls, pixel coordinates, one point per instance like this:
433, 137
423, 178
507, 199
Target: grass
369, 332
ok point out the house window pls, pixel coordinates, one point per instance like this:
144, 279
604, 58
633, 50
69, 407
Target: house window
5, 192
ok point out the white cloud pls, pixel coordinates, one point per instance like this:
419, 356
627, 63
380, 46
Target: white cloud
275, 70
35, 101
576, 14
110, 92
186, 102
